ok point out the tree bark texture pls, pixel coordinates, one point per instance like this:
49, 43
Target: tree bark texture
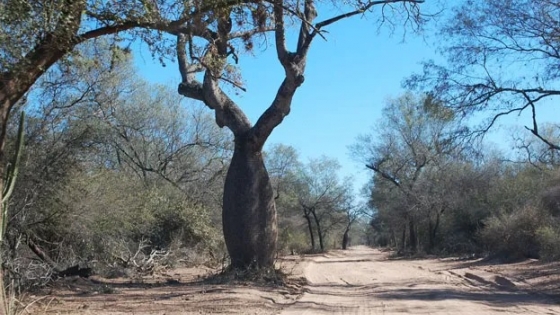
249, 212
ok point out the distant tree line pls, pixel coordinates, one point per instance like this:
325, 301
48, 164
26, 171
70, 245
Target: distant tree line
433, 191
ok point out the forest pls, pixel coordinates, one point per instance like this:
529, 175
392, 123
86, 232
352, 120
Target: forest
107, 173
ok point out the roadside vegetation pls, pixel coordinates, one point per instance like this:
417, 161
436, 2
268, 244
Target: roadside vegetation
435, 192
109, 174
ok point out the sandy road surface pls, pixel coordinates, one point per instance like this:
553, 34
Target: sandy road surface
358, 281
365, 281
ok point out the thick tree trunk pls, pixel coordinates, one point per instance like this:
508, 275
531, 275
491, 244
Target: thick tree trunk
249, 212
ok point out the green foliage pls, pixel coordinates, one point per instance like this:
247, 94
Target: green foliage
324, 198
313, 189
413, 153
183, 221
292, 239
115, 168
549, 239
27, 24
118, 212
432, 191
514, 235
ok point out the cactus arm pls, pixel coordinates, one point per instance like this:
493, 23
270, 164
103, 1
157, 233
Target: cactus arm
12, 172
14, 166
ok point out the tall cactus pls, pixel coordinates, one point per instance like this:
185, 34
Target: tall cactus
11, 175
7, 293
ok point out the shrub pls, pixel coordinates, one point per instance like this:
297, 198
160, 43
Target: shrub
292, 240
513, 235
548, 238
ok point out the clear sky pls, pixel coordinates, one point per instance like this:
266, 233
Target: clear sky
348, 78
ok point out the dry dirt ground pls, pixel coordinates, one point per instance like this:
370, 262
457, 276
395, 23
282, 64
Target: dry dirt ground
358, 281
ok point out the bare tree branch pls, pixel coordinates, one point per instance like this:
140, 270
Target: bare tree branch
384, 174
280, 32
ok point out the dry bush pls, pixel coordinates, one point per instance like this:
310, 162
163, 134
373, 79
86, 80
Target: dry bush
513, 235
292, 240
548, 238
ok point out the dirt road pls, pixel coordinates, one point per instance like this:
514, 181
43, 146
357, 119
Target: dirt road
365, 281
357, 281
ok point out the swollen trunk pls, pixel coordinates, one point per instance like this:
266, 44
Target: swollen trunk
249, 213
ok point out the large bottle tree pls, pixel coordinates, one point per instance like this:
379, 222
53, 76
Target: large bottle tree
205, 53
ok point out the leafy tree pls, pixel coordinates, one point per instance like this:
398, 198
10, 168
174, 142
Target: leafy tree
282, 161
416, 140
502, 57
515, 212
352, 216
148, 129
323, 198
36, 34
213, 41
283, 164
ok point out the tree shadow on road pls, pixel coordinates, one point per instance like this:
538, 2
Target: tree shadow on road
484, 297
397, 300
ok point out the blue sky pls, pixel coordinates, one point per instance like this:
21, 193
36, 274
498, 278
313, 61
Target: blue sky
348, 78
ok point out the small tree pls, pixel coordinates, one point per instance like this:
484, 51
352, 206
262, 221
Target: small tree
352, 215
323, 198
415, 142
